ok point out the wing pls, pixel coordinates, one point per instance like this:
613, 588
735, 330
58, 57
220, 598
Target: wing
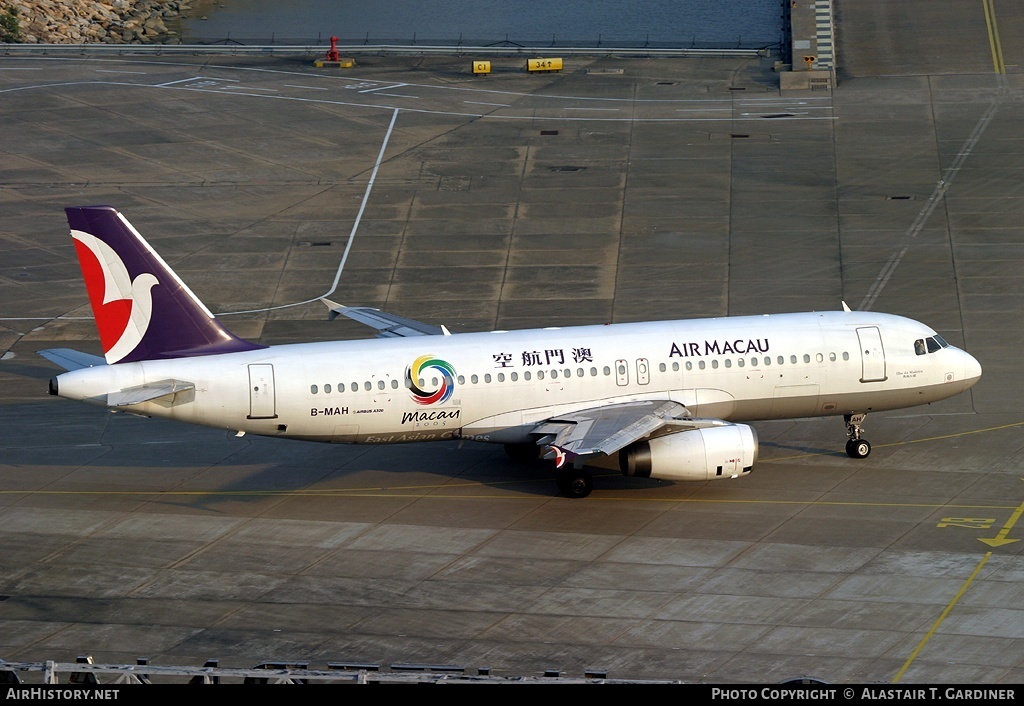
610, 428
70, 359
387, 325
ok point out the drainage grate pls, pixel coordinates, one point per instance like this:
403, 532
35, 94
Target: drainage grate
567, 169
317, 244
549, 132
736, 135
898, 198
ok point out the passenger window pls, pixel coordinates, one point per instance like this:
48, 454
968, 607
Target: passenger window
474, 379
526, 375
675, 366
792, 359
807, 358
701, 364
380, 385
728, 362
846, 355
593, 372
354, 387
832, 357
661, 367
367, 386
394, 384
341, 387
767, 360
689, 365
607, 370
780, 360
741, 362
819, 357
714, 364
514, 376
314, 389
540, 374
554, 374
462, 379
568, 373
327, 389
501, 377
487, 377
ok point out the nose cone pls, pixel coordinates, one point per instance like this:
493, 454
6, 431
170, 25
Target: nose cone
972, 369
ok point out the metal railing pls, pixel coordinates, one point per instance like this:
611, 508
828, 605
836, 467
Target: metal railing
84, 673
316, 51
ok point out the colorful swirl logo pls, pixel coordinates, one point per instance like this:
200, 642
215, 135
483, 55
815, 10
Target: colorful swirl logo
420, 368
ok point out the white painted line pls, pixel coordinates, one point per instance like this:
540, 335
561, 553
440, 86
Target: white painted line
501, 105
311, 88
197, 78
613, 110
378, 88
352, 234
248, 88
108, 71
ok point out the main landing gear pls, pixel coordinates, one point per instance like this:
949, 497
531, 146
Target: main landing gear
574, 482
856, 447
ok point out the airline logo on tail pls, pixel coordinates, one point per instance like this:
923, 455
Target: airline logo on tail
123, 307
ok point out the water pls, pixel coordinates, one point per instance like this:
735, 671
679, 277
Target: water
588, 23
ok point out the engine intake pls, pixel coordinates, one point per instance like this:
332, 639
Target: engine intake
708, 453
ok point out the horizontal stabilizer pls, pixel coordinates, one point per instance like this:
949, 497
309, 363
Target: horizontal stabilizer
387, 325
147, 393
70, 359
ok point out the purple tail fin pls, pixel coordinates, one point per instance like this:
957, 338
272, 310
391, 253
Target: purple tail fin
143, 311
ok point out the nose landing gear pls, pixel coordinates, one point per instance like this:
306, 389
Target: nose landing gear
856, 447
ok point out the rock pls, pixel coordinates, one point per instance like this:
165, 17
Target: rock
76, 21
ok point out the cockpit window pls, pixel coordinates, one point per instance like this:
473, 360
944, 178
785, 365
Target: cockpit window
931, 344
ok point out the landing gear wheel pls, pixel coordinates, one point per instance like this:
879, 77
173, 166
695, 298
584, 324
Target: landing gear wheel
574, 483
858, 448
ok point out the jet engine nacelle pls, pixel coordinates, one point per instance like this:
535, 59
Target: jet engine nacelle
706, 453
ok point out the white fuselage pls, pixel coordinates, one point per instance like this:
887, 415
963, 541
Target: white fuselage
504, 383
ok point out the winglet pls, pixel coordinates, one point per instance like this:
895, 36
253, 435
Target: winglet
560, 455
335, 308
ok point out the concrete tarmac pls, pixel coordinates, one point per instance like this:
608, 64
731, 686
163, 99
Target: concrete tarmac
619, 189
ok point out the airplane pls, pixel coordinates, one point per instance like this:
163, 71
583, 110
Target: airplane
670, 398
